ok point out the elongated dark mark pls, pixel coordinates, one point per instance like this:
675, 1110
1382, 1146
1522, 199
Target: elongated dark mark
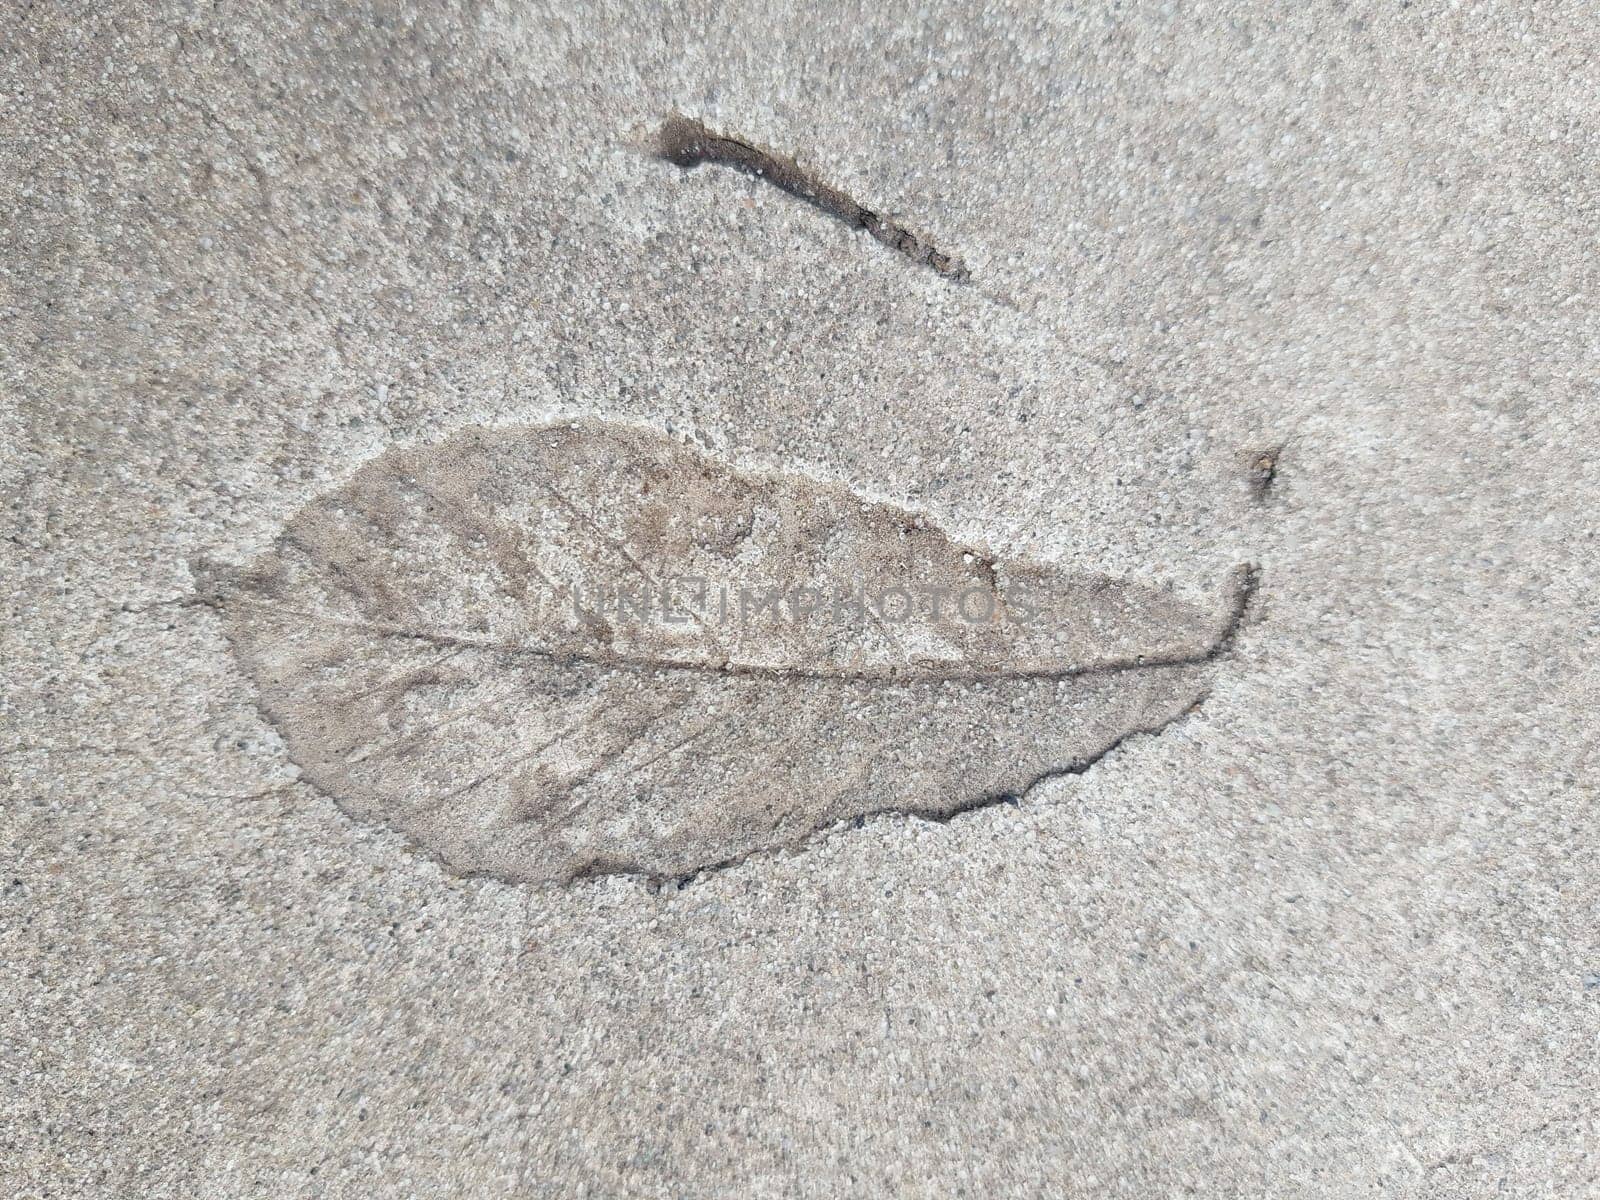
687, 143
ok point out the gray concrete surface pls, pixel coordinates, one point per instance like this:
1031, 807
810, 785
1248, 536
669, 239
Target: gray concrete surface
1332, 934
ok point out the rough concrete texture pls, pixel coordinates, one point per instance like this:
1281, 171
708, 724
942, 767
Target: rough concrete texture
1309, 287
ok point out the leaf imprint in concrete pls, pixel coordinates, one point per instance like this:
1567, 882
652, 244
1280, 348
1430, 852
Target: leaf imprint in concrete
553, 652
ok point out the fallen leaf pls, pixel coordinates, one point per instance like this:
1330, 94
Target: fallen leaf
553, 652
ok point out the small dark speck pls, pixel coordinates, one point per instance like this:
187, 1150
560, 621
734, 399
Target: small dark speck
1263, 472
